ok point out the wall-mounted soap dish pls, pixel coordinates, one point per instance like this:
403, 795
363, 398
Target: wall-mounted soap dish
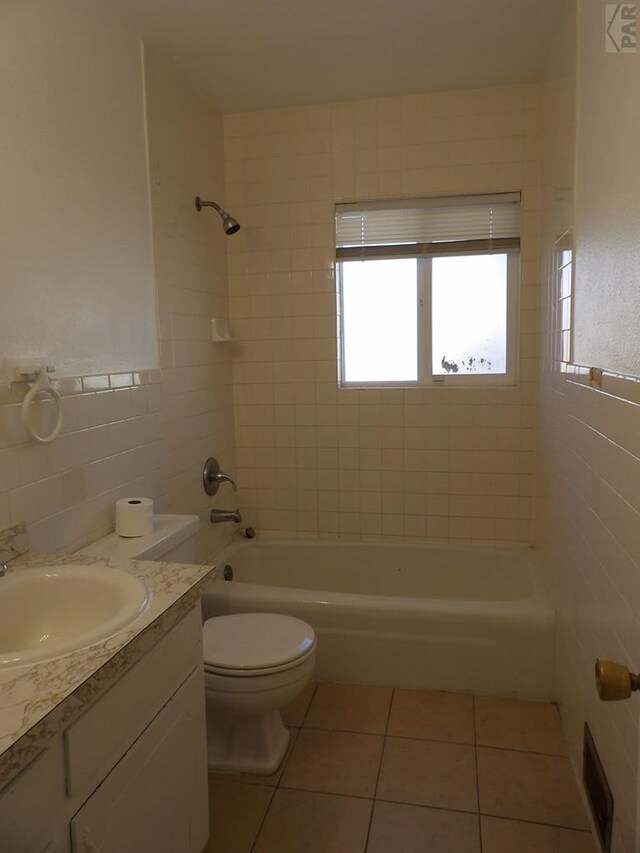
220, 333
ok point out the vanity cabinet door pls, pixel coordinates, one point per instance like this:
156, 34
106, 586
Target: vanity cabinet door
156, 797
98, 739
31, 805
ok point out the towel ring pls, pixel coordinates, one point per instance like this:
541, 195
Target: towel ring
43, 385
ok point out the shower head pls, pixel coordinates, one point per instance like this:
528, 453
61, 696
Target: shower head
230, 225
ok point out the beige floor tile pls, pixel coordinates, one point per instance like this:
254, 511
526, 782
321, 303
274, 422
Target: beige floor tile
505, 836
432, 715
516, 724
294, 713
350, 707
427, 773
416, 829
314, 823
236, 811
257, 778
526, 786
335, 762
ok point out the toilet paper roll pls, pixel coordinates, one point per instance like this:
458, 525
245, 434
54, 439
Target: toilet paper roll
134, 517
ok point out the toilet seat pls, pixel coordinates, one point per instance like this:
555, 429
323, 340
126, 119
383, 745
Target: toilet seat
263, 672
255, 644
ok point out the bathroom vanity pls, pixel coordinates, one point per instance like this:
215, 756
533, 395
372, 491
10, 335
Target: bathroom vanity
104, 749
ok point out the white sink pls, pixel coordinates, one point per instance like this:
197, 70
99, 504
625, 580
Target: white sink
52, 610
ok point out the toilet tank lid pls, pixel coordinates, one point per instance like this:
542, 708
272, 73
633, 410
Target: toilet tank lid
169, 531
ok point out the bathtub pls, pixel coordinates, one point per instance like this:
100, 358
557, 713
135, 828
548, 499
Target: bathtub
448, 617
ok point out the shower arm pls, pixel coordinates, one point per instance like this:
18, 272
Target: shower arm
200, 204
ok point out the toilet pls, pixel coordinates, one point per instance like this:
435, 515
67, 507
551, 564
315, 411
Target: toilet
254, 663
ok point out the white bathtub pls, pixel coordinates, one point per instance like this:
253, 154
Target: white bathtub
465, 618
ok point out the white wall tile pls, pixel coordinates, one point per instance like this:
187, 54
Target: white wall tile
195, 401
588, 488
282, 299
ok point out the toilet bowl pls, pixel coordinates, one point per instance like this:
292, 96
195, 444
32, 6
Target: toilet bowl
254, 665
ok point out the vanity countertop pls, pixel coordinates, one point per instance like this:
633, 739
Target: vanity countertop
38, 699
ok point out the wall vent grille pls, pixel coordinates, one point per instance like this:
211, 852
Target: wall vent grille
598, 790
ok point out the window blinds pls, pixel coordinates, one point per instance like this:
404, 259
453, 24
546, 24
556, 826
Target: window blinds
450, 225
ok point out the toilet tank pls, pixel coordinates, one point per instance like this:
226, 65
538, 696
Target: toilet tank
173, 541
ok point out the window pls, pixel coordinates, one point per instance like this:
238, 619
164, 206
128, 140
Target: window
427, 294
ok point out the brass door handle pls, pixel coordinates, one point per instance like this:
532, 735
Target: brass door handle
614, 681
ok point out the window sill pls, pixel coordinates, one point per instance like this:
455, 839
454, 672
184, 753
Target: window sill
448, 384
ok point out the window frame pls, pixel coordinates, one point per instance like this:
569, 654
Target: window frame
426, 377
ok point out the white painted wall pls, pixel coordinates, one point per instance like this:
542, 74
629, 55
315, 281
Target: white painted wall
76, 274
607, 309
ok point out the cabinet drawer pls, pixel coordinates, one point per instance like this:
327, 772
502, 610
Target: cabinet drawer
98, 739
155, 798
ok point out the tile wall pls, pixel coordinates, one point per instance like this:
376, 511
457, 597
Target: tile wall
147, 432
588, 484
403, 464
185, 160
110, 447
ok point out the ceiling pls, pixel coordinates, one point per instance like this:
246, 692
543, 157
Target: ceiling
261, 54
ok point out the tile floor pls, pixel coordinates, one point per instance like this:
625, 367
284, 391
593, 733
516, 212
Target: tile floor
407, 771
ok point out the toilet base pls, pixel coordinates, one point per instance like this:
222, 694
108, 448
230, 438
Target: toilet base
246, 744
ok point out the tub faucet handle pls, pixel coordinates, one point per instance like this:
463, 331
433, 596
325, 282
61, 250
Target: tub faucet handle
212, 476
225, 478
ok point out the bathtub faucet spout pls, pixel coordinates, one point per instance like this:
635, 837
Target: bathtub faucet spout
218, 516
